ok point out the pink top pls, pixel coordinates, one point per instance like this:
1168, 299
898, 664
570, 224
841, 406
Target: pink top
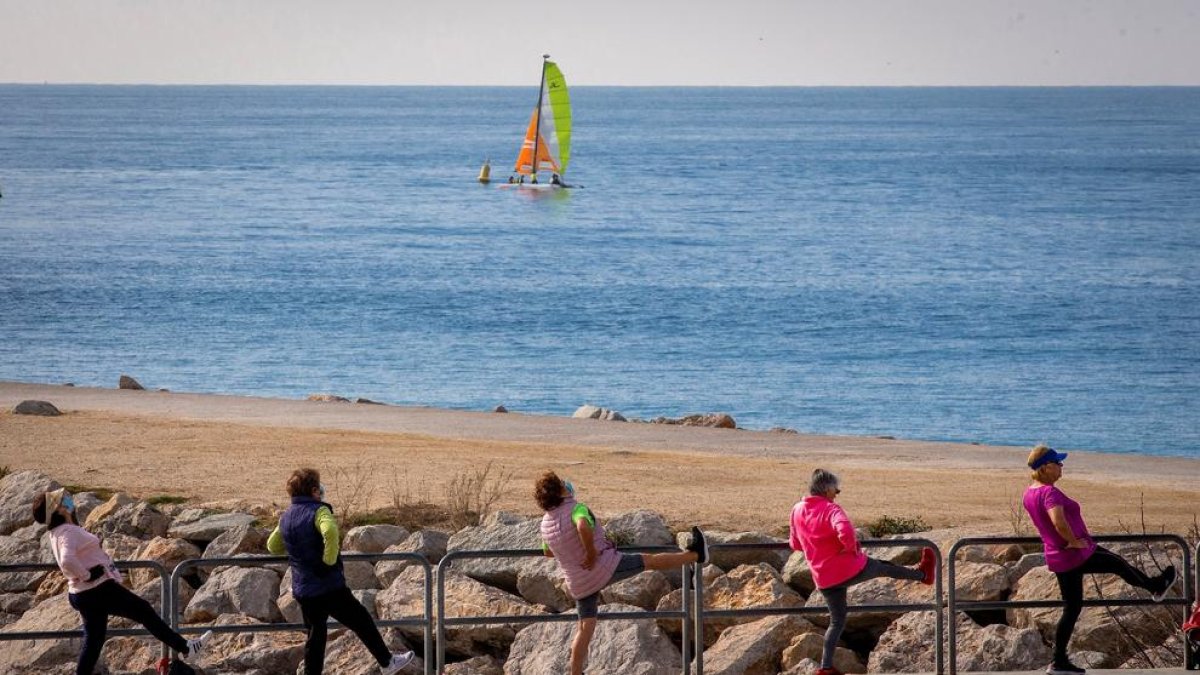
1039, 499
560, 535
76, 551
824, 532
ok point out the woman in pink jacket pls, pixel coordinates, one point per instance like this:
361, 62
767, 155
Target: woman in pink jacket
589, 560
94, 584
824, 532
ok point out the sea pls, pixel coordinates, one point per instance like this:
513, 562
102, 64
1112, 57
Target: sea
991, 265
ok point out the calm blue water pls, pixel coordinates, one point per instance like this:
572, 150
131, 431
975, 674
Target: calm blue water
995, 265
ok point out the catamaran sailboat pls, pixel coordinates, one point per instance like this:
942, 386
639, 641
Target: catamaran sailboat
547, 145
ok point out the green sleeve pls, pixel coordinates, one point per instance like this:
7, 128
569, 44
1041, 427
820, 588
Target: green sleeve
327, 526
275, 542
582, 512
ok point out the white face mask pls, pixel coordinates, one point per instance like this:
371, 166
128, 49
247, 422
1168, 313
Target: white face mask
321, 492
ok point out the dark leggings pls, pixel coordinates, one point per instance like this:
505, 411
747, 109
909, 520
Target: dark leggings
111, 598
1070, 584
835, 598
348, 611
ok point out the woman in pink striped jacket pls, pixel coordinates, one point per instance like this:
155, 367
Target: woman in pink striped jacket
589, 560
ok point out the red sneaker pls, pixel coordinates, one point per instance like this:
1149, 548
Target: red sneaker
828, 671
928, 565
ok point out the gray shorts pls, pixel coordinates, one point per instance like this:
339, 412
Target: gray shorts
630, 565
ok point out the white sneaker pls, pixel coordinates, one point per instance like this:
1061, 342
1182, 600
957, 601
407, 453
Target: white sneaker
398, 662
196, 647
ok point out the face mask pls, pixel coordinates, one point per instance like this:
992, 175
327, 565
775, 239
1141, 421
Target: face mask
570, 487
321, 490
68, 503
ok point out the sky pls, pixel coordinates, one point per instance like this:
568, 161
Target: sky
603, 42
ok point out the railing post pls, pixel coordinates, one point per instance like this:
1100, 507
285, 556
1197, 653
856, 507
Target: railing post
939, 622
1191, 656
443, 565
698, 612
952, 609
685, 628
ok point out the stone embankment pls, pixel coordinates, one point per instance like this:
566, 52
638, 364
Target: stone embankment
874, 642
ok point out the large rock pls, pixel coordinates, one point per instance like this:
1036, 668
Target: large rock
130, 655
728, 559
464, 597
121, 546
747, 586
808, 648
754, 648
429, 543
716, 420
360, 575
238, 539
208, 528
347, 655
17, 492
166, 552
640, 528
140, 520
980, 581
373, 538
40, 408
1099, 629
617, 648
99, 513
644, 590
478, 665
127, 382
591, 412
905, 647
14, 551
38, 657
547, 588
1023, 565
880, 591
251, 653
236, 590
500, 531
797, 574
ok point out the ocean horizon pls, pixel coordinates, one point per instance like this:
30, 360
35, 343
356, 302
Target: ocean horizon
1003, 265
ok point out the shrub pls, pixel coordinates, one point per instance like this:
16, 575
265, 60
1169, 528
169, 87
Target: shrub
156, 500
888, 525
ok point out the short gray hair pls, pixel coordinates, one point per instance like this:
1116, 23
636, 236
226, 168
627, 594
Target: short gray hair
822, 481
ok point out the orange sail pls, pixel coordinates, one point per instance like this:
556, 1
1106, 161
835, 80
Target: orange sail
545, 160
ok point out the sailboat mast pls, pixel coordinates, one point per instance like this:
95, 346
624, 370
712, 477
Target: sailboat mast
537, 127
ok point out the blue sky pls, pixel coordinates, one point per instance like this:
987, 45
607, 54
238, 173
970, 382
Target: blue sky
607, 42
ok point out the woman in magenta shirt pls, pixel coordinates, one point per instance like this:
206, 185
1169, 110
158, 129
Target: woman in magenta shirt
824, 532
1071, 552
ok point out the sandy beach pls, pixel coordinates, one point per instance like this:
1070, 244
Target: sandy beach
218, 448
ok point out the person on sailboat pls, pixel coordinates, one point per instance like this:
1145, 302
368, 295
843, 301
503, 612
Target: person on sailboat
556, 180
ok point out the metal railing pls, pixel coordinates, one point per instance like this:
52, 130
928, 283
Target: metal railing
954, 605
700, 613
183, 568
164, 598
443, 621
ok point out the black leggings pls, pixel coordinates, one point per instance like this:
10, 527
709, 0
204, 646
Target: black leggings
343, 606
111, 598
1070, 584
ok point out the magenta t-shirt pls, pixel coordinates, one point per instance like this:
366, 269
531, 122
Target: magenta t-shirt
1038, 502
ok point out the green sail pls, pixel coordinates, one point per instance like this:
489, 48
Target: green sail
556, 115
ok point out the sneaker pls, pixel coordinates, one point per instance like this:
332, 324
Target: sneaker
828, 671
1064, 668
196, 647
1169, 577
699, 545
928, 565
398, 662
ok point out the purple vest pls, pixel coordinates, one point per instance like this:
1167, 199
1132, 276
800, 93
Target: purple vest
561, 536
310, 575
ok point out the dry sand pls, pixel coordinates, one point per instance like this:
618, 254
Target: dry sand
210, 447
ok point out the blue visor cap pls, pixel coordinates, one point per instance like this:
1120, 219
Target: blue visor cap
1051, 455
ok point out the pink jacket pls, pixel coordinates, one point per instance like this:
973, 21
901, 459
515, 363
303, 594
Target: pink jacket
824, 532
560, 535
76, 551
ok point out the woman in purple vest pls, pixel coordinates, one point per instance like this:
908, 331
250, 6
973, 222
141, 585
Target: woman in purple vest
1071, 552
308, 533
589, 560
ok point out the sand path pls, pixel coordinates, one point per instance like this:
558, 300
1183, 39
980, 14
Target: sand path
211, 447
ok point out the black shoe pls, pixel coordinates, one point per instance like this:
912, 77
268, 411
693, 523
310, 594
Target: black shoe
1064, 668
699, 546
1168, 580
